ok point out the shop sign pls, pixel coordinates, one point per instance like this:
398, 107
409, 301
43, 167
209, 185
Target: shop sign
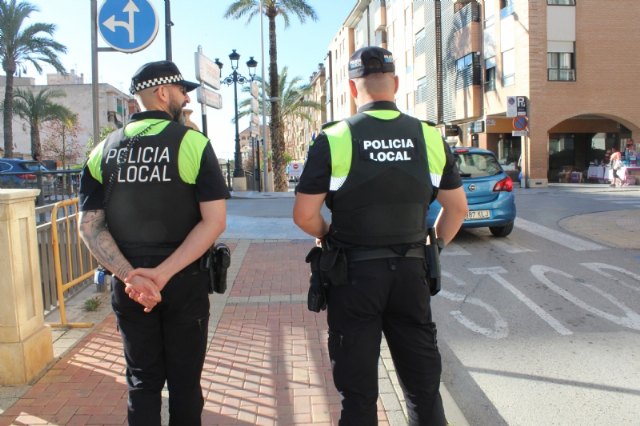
451, 130
477, 126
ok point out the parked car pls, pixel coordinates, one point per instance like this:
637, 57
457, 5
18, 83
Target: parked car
488, 189
16, 172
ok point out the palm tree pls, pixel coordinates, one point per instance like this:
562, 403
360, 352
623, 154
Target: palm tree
292, 95
273, 8
37, 110
294, 103
20, 44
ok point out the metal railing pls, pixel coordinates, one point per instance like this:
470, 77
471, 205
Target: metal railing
54, 185
68, 249
57, 231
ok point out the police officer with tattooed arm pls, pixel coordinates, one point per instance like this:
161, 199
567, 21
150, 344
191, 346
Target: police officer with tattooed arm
152, 201
377, 172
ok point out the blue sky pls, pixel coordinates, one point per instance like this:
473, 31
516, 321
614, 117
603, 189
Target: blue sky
301, 47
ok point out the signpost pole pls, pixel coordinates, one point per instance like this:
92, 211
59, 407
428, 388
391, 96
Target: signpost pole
94, 71
204, 118
167, 28
524, 164
265, 147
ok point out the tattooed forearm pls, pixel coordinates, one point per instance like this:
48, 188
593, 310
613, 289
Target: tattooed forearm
94, 233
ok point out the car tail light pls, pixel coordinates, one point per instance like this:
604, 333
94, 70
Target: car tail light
27, 177
505, 184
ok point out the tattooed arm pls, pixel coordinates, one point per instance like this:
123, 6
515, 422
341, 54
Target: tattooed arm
94, 233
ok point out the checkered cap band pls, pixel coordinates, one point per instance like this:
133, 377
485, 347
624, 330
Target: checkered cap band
156, 82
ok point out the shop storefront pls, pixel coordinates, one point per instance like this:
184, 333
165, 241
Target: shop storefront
579, 150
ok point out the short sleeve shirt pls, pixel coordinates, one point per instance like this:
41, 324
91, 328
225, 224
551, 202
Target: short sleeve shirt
316, 175
201, 165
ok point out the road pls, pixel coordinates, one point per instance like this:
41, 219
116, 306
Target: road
542, 327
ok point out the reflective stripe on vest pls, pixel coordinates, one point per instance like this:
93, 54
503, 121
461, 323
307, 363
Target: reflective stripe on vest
339, 136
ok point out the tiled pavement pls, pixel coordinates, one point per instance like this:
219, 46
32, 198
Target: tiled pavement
266, 364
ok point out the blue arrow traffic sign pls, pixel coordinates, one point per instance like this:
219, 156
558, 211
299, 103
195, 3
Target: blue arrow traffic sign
128, 25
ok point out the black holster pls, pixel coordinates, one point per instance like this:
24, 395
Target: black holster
432, 259
334, 265
317, 296
329, 268
217, 260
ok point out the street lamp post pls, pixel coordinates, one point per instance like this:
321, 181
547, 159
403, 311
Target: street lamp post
234, 78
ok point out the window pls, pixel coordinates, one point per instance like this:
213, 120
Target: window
464, 62
490, 74
508, 68
489, 14
421, 91
506, 8
561, 2
560, 66
420, 42
477, 165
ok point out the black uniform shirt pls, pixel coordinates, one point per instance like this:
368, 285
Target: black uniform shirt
209, 184
316, 174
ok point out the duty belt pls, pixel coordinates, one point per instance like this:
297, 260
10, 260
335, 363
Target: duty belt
359, 255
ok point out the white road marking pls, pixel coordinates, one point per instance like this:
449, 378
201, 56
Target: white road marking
508, 246
500, 328
495, 271
598, 267
558, 237
631, 318
454, 249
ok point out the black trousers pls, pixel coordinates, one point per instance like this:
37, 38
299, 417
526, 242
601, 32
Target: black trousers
167, 344
389, 296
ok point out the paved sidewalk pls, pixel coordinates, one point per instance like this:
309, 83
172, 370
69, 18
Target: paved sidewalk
266, 364
267, 361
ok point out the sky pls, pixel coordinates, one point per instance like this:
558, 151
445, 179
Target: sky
301, 47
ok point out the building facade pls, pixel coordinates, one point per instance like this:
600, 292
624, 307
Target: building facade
303, 128
114, 106
548, 84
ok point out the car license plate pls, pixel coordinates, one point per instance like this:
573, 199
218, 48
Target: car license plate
477, 214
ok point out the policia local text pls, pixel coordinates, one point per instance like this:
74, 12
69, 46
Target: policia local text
389, 149
145, 164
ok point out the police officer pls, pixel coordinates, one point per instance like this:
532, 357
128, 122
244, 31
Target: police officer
152, 197
377, 171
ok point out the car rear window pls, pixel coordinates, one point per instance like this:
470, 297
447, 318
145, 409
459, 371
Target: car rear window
477, 165
34, 167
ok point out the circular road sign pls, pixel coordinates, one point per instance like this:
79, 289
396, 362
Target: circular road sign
128, 25
520, 123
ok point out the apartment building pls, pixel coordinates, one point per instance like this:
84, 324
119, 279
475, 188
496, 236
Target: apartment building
547, 82
302, 129
114, 106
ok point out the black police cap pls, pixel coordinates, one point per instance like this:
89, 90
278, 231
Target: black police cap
370, 60
158, 73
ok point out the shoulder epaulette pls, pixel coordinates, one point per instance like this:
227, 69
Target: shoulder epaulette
430, 123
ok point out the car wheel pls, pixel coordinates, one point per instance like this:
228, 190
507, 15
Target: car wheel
501, 231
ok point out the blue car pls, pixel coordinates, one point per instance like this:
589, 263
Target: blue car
488, 189
17, 173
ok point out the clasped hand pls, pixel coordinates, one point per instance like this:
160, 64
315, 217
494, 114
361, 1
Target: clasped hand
144, 285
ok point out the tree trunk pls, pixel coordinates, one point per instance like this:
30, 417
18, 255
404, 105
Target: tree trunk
275, 127
7, 114
36, 146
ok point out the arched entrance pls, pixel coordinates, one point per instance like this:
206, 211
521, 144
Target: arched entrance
579, 142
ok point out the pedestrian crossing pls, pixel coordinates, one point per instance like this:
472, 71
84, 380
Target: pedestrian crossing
626, 201
512, 245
